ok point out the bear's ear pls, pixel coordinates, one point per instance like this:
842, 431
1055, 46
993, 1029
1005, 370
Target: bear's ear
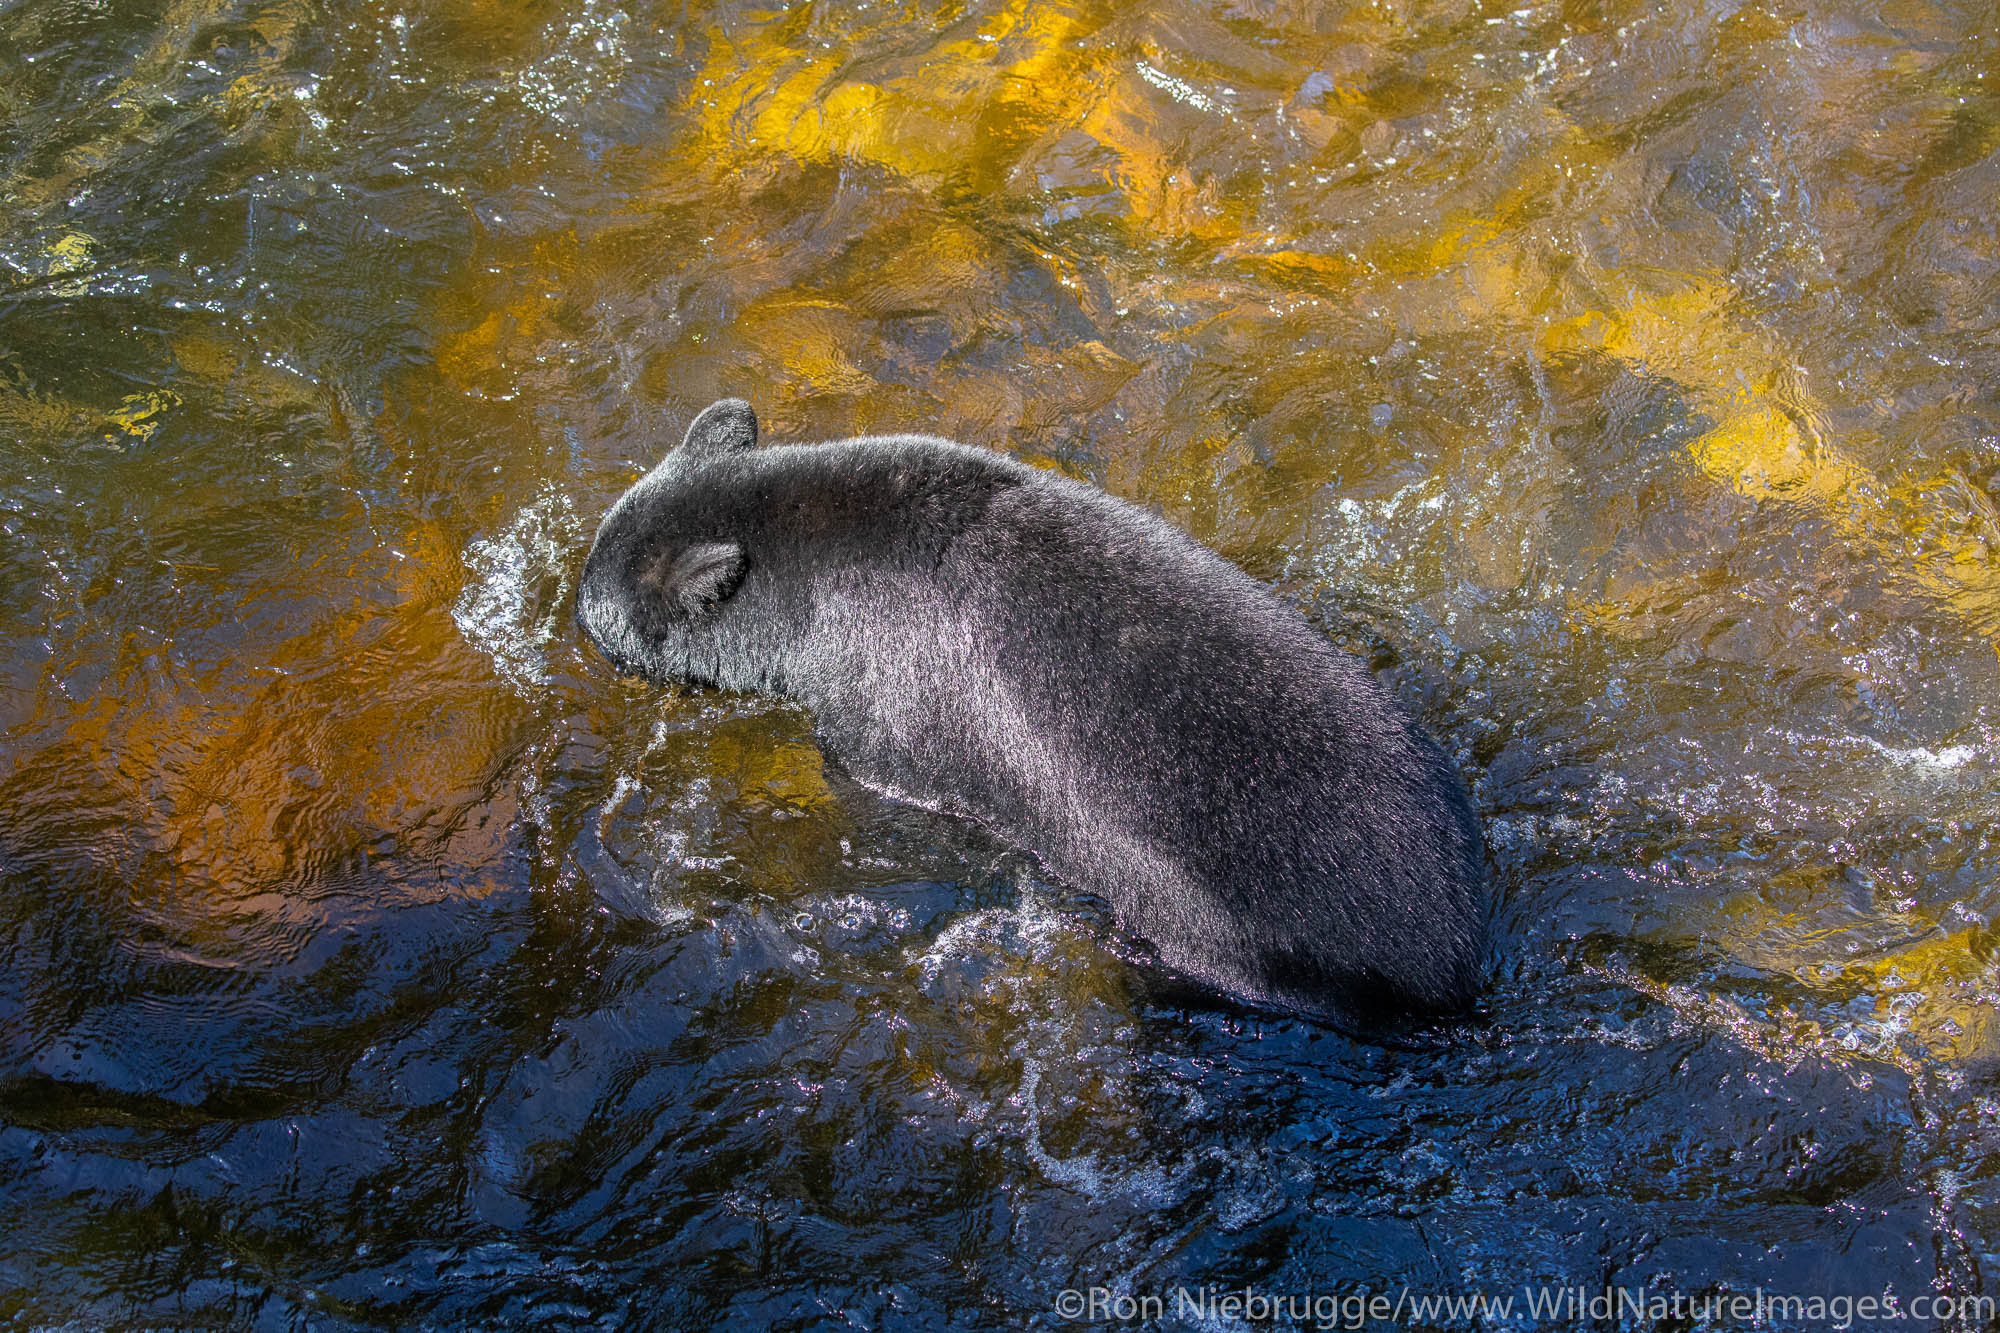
692, 579
724, 427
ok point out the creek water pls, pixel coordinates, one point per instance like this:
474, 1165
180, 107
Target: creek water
1622, 379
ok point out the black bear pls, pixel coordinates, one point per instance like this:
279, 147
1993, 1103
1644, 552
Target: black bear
1009, 645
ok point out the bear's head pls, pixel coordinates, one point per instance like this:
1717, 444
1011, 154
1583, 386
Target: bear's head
669, 590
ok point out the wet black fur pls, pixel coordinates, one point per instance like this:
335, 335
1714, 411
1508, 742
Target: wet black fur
1006, 644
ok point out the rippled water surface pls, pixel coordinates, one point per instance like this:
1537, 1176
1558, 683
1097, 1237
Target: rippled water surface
1623, 378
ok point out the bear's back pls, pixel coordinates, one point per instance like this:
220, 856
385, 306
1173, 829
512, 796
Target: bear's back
1220, 729
1156, 724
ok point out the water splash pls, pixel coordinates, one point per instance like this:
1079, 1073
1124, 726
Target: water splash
518, 586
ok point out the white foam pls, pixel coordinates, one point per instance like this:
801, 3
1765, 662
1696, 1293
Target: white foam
1178, 89
1027, 928
1942, 759
518, 586
623, 787
1950, 757
1079, 1172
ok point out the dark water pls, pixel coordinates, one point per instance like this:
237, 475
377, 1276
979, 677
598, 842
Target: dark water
1624, 379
